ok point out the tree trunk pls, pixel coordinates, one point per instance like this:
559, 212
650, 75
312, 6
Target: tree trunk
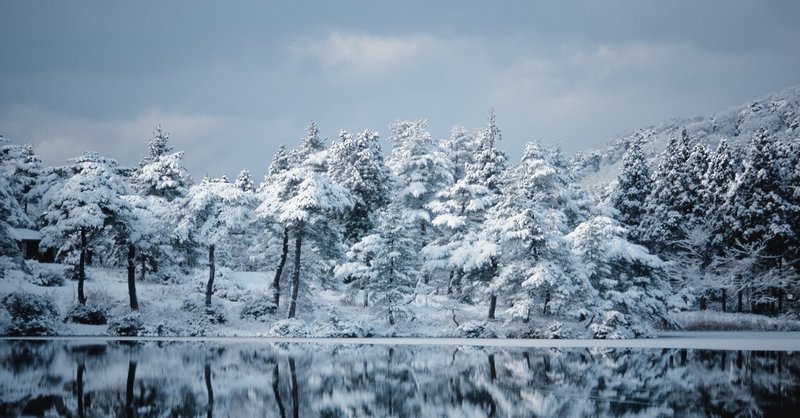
141, 257
298, 244
132, 277
209, 390
703, 302
79, 384
129, 389
492, 305
295, 400
210, 284
546, 302
82, 268
724, 299
739, 300
450, 282
276, 390
276, 282
780, 300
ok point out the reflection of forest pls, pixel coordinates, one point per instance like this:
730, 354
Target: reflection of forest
250, 379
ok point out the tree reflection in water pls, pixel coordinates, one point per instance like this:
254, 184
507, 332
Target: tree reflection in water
176, 379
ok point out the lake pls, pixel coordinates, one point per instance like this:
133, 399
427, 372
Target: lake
228, 377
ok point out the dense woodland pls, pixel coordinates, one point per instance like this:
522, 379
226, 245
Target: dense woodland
693, 228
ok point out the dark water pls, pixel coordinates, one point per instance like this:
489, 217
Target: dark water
243, 379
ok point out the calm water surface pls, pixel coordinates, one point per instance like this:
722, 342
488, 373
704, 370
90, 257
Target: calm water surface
79, 378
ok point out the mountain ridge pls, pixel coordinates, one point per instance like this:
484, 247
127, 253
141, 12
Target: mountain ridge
778, 113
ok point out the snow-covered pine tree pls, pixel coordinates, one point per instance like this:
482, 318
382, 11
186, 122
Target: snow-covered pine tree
422, 168
755, 202
671, 204
274, 185
305, 200
86, 210
459, 215
158, 145
380, 269
633, 186
628, 284
11, 214
357, 164
717, 180
758, 216
24, 169
460, 147
243, 181
535, 266
215, 211
161, 183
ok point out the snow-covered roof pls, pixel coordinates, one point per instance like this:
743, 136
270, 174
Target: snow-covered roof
21, 234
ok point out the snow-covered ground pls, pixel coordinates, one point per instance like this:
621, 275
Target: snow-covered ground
705, 340
164, 314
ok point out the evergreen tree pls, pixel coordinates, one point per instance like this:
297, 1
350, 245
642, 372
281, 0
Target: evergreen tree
304, 200
243, 181
717, 181
357, 164
534, 266
671, 205
755, 208
214, 211
159, 145
24, 169
422, 169
633, 186
460, 212
628, 284
380, 268
88, 208
460, 147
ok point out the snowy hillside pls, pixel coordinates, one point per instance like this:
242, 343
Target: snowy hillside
778, 113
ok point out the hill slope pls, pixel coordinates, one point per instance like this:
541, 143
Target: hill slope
779, 113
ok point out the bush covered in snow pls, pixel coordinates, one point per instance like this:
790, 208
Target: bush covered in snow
288, 328
42, 276
258, 307
214, 314
130, 325
477, 329
30, 314
87, 314
342, 329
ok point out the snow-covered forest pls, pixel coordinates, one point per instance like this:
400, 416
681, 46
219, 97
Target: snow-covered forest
409, 234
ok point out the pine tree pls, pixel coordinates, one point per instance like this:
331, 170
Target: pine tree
460, 147
304, 200
243, 181
717, 180
755, 203
357, 164
535, 267
158, 146
671, 203
633, 186
215, 210
628, 283
422, 169
380, 268
460, 212
88, 208
24, 169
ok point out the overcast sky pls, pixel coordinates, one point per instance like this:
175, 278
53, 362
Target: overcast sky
232, 81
